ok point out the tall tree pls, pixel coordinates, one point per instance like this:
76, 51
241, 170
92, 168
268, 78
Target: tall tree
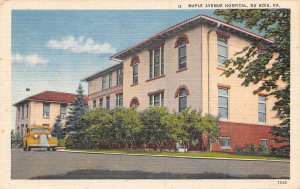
253, 63
78, 108
57, 131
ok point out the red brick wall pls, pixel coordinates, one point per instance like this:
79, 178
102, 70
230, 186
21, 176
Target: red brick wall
242, 134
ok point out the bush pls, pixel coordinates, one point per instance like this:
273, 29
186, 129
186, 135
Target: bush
238, 149
249, 149
62, 142
16, 140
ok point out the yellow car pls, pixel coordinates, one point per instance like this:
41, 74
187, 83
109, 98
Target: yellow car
39, 137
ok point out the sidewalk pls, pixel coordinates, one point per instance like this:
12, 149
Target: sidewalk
189, 157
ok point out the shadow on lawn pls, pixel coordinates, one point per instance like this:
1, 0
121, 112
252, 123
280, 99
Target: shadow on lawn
136, 174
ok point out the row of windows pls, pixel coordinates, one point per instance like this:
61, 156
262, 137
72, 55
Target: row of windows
21, 111
109, 79
223, 105
46, 110
225, 143
119, 101
156, 68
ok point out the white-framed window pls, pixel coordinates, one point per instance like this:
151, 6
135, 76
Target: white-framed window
63, 110
103, 82
182, 54
156, 99
182, 100
110, 80
27, 110
46, 109
119, 100
94, 103
119, 77
225, 143
223, 102
101, 103
23, 111
156, 62
264, 142
222, 50
262, 105
135, 71
108, 102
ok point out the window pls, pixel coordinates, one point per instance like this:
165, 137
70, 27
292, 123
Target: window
19, 112
119, 100
156, 62
225, 142
63, 110
27, 110
134, 102
101, 102
119, 77
23, 110
110, 80
46, 110
222, 50
135, 71
103, 82
94, 104
264, 142
223, 102
262, 109
157, 99
108, 102
182, 100
182, 54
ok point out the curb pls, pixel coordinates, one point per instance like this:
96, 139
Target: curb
188, 157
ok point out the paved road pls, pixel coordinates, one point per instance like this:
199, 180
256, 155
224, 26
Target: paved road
40, 164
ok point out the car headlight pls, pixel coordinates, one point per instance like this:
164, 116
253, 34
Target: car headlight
35, 136
49, 136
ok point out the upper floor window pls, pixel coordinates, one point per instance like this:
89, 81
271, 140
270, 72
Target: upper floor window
223, 102
222, 50
119, 100
19, 112
181, 45
46, 110
103, 82
108, 102
135, 62
156, 99
101, 103
156, 62
27, 110
119, 77
63, 110
110, 80
23, 111
134, 102
182, 98
262, 109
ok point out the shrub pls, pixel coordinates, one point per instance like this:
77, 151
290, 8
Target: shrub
249, 148
238, 149
16, 140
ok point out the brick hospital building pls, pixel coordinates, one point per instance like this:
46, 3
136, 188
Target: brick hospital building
180, 68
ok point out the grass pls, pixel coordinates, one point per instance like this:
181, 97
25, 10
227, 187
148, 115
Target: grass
199, 154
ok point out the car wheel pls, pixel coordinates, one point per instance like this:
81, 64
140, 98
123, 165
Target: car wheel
48, 149
28, 148
54, 149
24, 148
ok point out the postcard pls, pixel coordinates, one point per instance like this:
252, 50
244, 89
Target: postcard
169, 94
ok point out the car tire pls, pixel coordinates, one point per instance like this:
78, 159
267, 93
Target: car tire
54, 149
28, 148
25, 148
48, 149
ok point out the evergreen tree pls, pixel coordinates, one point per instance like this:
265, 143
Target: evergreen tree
57, 131
253, 65
78, 108
16, 139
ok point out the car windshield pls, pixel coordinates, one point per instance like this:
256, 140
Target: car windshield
39, 130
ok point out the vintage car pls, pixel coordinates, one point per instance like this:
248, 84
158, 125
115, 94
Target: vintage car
39, 137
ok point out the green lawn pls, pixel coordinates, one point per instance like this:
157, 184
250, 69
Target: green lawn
200, 154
